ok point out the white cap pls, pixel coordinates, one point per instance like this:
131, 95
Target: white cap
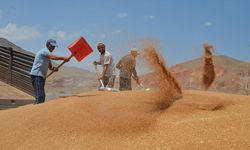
135, 50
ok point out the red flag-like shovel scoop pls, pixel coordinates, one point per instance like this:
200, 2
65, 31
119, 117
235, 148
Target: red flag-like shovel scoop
79, 49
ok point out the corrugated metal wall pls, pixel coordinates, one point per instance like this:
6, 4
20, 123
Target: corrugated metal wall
14, 69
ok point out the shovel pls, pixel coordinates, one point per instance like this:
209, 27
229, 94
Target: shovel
59, 66
141, 86
102, 88
79, 49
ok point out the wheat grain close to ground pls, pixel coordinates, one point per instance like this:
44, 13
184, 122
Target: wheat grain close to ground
129, 120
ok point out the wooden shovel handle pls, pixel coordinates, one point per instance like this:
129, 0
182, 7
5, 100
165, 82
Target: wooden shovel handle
58, 66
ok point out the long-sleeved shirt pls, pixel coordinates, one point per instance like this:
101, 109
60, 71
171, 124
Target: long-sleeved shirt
127, 66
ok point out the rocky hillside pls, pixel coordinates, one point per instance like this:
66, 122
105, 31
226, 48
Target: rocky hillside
232, 76
5, 43
70, 80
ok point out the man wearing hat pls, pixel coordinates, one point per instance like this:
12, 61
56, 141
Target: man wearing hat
40, 68
127, 69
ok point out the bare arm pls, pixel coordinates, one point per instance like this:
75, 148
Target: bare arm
50, 66
134, 73
97, 63
135, 76
55, 69
54, 57
118, 65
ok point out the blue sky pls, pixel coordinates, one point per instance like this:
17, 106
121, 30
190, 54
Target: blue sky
179, 26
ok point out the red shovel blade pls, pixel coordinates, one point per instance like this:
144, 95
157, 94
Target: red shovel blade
80, 49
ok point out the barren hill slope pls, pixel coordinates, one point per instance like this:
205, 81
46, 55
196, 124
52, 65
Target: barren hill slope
70, 81
231, 75
129, 120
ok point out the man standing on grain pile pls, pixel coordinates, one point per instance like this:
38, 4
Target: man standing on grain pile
40, 68
107, 62
127, 69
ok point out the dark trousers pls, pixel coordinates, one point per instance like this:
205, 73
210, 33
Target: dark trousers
125, 84
109, 81
38, 85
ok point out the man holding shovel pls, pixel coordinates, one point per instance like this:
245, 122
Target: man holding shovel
40, 68
107, 62
127, 69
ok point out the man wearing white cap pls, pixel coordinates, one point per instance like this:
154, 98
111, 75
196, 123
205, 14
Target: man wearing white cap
40, 68
127, 69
